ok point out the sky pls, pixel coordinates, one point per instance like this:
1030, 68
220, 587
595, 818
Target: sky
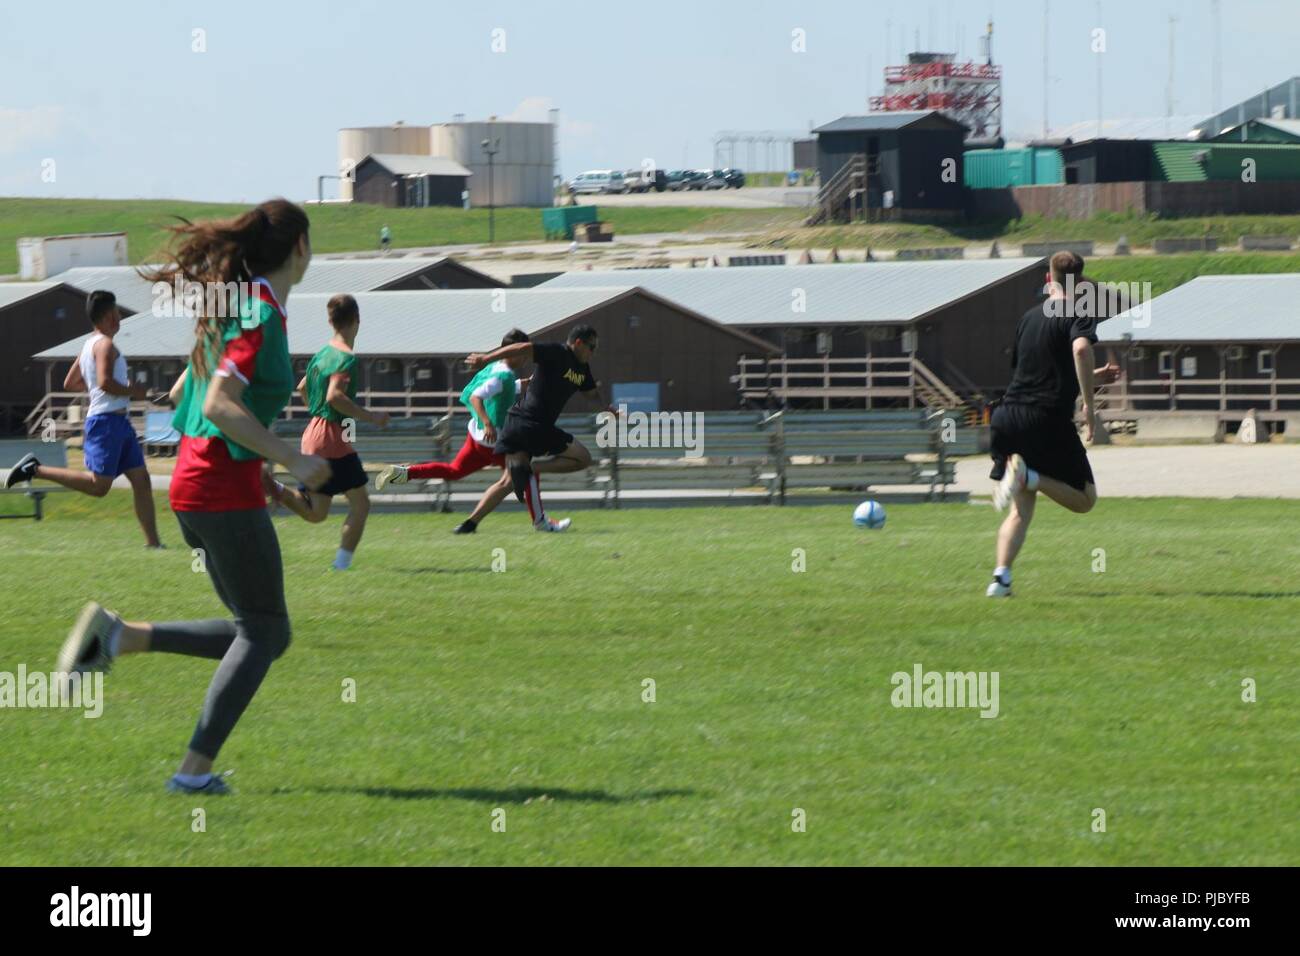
239, 101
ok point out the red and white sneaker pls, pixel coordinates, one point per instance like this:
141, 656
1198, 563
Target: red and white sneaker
546, 524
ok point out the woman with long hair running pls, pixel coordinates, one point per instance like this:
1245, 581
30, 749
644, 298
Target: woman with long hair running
238, 380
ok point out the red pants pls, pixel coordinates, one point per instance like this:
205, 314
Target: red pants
474, 457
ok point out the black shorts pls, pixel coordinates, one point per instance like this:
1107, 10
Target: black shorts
523, 434
346, 473
1049, 443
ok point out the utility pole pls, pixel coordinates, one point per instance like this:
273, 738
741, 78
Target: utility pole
1216, 65
1099, 56
1169, 83
491, 147
1047, 81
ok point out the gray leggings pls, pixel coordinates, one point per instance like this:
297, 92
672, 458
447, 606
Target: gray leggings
242, 555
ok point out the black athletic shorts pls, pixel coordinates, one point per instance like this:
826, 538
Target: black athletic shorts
346, 473
523, 434
1049, 443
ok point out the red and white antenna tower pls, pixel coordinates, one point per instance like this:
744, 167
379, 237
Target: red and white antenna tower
968, 92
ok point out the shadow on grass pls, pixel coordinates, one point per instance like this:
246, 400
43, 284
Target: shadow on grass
441, 570
518, 795
1254, 595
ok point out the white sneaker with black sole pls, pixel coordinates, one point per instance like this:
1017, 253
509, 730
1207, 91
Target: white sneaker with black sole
1014, 479
998, 588
88, 647
546, 524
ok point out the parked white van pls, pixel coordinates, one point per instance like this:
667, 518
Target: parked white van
598, 181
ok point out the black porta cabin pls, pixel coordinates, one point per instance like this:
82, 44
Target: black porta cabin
906, 154
33, 316
398, 180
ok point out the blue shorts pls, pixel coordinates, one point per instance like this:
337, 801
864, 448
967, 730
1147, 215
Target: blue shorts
110, 446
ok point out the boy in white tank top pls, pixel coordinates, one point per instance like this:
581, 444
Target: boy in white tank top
110, 446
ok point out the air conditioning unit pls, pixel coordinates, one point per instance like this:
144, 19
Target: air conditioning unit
1137, 353
1235, 353
909, 340
384, 366
824, 340
424, 373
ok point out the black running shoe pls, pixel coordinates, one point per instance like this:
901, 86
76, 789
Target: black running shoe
519, 475
25, 470
465, 527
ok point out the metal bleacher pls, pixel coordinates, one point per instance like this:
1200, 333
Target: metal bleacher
744, 456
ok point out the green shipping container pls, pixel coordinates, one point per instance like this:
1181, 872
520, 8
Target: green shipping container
1272, 162
1000, 168
558, 221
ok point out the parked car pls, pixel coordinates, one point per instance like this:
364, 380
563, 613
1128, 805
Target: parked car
695, 178
675, 180
734, 177
598, 181
712, 179
643, 180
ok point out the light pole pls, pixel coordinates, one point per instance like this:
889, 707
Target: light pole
491, 147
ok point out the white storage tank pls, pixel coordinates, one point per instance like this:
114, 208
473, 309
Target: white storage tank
356, 143
42, 256
521, 168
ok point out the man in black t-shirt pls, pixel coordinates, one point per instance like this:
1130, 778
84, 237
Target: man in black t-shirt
1034, 442
530, 430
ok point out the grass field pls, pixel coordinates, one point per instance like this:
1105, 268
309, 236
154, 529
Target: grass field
522, 691
1167, 272
1106, 227
346, 228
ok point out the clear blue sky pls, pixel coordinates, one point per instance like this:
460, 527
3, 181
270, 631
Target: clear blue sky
114, 94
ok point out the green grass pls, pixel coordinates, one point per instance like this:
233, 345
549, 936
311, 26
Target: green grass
345, 228
1106, 227
1167, 272
522, 691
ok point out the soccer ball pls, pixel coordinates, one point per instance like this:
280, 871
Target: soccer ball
869, 514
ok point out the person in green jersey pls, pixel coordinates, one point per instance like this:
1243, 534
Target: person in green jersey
238, 380
489, 396
329, 390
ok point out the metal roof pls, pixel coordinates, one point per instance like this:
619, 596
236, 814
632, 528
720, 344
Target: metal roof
1235, 308
832, 293
446, 322
408, 164
1154, 127
323, 275
871, 122
11, 293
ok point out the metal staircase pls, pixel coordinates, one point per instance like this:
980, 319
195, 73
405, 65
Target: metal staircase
835, 194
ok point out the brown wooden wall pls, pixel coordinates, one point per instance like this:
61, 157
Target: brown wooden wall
28, 327
976, 334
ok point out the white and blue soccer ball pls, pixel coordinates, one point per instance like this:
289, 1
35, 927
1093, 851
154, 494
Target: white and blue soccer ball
869, 514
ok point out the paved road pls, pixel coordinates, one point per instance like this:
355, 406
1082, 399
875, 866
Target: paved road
1192, 471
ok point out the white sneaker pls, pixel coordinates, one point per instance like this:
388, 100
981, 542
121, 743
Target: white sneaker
546, 524
393, 474
86, 648
1017, 475
998, 589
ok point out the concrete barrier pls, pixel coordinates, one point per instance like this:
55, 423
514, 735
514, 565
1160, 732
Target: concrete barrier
1264, 243
1190, 244
1036, 250
1159, 426
932, 252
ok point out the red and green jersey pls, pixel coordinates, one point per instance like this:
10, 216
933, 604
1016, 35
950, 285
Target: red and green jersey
214, 473
325, 364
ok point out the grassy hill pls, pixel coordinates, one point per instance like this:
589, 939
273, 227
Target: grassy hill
343, 228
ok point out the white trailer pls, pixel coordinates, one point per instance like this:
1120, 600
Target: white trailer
44, 256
